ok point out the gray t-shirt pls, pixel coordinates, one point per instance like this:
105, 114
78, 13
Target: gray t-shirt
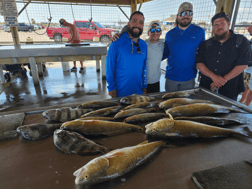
154, 58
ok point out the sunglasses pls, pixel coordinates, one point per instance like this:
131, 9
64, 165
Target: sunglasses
138, 48
188, 13
155, 29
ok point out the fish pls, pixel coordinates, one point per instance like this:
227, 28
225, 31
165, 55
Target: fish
144, 117
181, 101
116, 163
132, 111
133, 99
99, 127
179, 94
98, 104
74, 143
65, 114
216, 121
97, 118
168, 127
142, 105
37, 131
200, 109
102, 112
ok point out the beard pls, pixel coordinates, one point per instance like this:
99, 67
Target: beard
133, 34
220, 37
184, 24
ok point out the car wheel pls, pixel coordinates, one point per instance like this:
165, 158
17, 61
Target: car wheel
105, 39
57, 38
7, 77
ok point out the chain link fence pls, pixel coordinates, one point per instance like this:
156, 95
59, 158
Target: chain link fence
40, 15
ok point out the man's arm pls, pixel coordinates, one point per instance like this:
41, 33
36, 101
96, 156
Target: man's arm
110, 70
235, 72
70, 34
215, 78
145, 77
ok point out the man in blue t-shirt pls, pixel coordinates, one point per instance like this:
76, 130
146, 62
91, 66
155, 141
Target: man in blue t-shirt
181, 45
126, 61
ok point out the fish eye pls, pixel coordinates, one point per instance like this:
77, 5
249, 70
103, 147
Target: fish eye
86, 176
154, 129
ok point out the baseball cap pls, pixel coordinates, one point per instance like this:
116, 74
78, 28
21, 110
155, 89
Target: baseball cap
154, 22
61, 21
220, 15
184, 7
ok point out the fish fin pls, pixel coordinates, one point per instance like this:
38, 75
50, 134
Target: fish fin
76, 173
171, 134
79, 107
170, 116
145, 142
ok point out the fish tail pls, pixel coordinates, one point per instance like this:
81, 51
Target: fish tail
244, 131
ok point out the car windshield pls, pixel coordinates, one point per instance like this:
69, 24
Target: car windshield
99, 25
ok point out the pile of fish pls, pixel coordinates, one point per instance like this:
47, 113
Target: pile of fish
192, 118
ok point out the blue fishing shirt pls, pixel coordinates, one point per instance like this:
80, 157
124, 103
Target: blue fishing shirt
180, 49
126, 69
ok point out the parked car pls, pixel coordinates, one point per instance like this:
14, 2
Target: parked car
87, 31
21, 27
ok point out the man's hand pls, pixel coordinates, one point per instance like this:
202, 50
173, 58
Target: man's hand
214, 85
112, 93
219, 80
115, 37
144, 91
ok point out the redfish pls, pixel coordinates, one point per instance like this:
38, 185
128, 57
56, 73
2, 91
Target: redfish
102, 112
132, 111
180, 101
99, 127
116, 163
179, 128
200, 109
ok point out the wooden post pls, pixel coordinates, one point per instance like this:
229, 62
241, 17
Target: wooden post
225, 6
97, 65
133, 6
34, 70
1, 74
103, 62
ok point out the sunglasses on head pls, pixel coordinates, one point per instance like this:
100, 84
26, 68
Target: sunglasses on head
188, 13
138, 48
155, 29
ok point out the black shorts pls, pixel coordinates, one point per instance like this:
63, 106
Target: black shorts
153, 88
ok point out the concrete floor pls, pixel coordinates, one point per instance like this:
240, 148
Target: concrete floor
56, 88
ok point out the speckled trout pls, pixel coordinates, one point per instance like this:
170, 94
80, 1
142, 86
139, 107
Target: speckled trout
142, 105
133, 99
200, 109
74, 143
116, 163
181, 101
37, 131
99, 127
65, 114
180, 128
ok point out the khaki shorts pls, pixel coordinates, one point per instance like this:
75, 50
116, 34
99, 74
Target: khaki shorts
247, 77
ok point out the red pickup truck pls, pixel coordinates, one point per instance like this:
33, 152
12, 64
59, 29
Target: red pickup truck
87, 31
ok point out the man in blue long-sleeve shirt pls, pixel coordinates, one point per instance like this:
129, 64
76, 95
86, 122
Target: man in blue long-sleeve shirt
126, 61
181, 45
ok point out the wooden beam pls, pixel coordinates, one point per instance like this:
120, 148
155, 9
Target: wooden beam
133, 6
123, 12
225, 6
24, 8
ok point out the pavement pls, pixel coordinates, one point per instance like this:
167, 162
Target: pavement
57, 88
